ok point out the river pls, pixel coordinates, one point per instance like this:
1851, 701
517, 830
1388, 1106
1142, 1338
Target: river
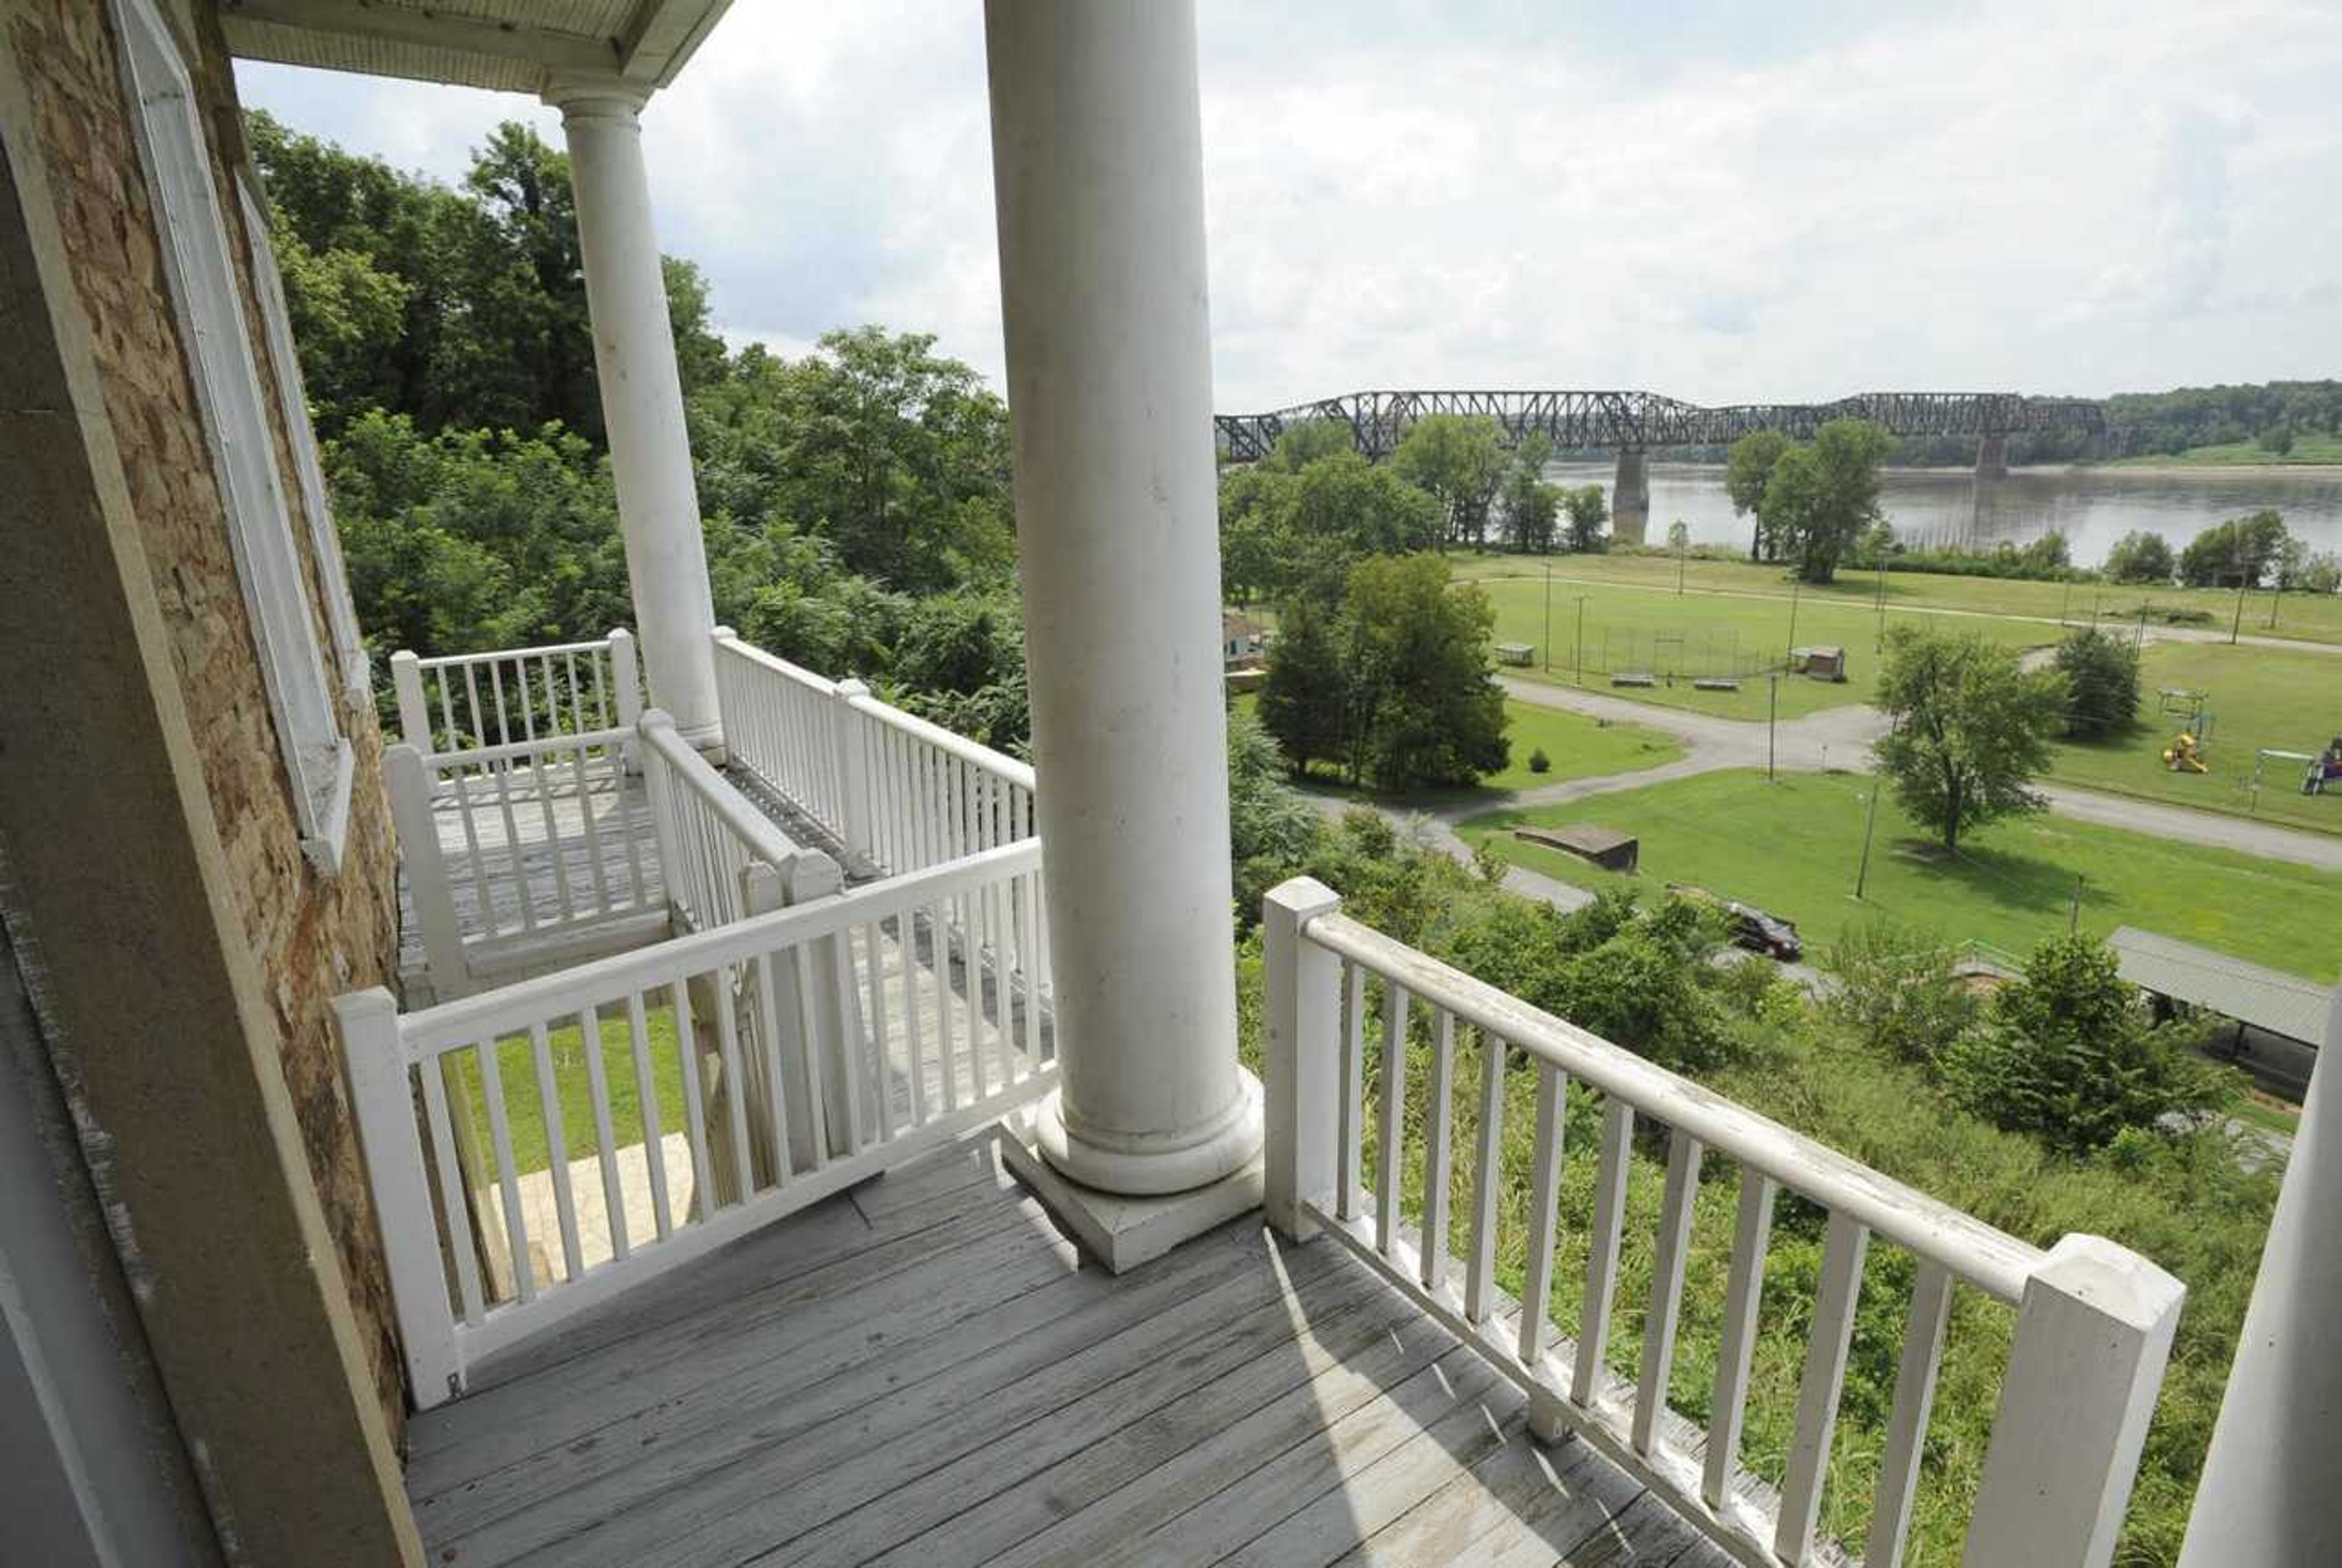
2093, 507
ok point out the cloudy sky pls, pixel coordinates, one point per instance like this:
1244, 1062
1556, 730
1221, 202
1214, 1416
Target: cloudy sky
1720, 201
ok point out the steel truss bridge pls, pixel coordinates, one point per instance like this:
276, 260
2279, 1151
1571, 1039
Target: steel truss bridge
1641, 420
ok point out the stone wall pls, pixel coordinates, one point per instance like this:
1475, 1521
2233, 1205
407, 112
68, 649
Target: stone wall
316, 935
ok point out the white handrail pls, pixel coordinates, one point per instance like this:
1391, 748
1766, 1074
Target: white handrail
534, 650
1979, 1254
508, 695
998, 764
2094, 1323
814, 1048
759, 833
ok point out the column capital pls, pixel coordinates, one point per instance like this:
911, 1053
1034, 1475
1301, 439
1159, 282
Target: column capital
596, 99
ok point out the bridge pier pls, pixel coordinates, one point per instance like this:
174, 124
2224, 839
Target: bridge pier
1992, 457
1630, 497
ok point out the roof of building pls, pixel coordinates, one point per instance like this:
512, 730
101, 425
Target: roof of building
1233, 625
2269, 999
514, 45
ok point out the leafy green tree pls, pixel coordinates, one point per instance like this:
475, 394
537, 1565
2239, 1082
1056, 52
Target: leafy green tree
1304, 702
2101, 672
1285, 532
2141, 557
1972, 729
1747, 470
1271, 826
1395, 683
2069, 1056
1530, 504
1898, 992
2276, 440
1299, 445
1819, 499
2241, 551
1588, 510
1457, 460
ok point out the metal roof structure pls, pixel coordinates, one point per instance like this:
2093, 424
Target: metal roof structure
513, 46
2268, 999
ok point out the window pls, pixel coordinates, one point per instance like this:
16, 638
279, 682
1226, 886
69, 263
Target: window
244, 456
276, 324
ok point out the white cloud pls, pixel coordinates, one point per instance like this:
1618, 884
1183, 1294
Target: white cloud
1702, 199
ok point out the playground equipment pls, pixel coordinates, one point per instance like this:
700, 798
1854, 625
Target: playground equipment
2325, 770
2185, 754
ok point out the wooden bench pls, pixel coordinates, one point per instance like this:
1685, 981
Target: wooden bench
1715, 683
1634, 680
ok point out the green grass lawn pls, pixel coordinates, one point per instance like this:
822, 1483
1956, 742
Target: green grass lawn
516, 1066
1703, 632
1578, 747
2311, 617
2259, 697
1792, 848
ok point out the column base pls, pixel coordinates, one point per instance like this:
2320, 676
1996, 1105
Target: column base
707, 740
1121, 1230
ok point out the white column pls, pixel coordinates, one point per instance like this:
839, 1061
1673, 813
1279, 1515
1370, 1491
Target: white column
2272, 1485
642, 404
1097, 174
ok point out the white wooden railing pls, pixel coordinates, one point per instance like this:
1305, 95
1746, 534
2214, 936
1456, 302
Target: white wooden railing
464, 702
908, 1049
724, 859
529, 846
2094, 1323
897, 792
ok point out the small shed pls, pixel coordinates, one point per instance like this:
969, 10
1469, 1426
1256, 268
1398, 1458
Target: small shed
1605, 848
1241, 637
1515, 654
1825, 661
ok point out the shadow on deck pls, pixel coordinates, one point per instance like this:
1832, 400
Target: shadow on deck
924, 1371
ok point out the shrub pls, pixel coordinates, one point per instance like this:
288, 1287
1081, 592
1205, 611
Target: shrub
2140, 557
1897, 993
1539, 762
2069, 1056
2101, 671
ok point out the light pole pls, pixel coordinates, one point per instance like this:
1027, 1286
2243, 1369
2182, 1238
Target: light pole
1796, 586
1547, 644
1581, 641
1869, 828
1772, 719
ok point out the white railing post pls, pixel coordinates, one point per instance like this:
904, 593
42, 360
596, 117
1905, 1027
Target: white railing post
830, 1009
2093, 1332
382, 1099
853, 768
1303, 1026
413, 708
657, 788
407, 779
626, 674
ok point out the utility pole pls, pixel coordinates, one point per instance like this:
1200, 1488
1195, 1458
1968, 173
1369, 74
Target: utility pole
2238, 623
1869, 828
1796, 585
2074, 919
1880, 603
2067, 602
1772, 719
1683, 552
1581, 640
1547, 647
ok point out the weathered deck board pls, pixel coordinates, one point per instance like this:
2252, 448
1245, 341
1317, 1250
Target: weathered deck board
923, 1373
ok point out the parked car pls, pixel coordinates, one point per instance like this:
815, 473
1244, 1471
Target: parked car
1748, 926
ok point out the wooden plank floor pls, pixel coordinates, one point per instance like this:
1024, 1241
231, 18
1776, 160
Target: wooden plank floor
922, 1372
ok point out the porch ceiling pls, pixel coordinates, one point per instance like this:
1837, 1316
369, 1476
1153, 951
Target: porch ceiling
514, 45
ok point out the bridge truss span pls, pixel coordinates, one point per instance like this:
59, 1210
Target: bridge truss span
1378, 420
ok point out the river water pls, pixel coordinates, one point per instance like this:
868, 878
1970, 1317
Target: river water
2093, 507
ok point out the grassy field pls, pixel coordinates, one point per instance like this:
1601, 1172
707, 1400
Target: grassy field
1701, 632
1578, 747
1793, 848
2309, 617
2259, 697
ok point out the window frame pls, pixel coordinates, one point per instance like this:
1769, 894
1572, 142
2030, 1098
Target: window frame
293, 401
199, 262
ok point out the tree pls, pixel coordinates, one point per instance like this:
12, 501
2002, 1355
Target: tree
1588, 511
1456, 458
1395, 683
1285, 532
1530, 504
1678, 536
2069, 1056
1271, 827
2238, 553
1747, 470
2276, 440
2101, 672
2138, 557
1971, 729
1819, 499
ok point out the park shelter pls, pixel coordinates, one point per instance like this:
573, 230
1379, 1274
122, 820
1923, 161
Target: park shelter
2285, 1005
